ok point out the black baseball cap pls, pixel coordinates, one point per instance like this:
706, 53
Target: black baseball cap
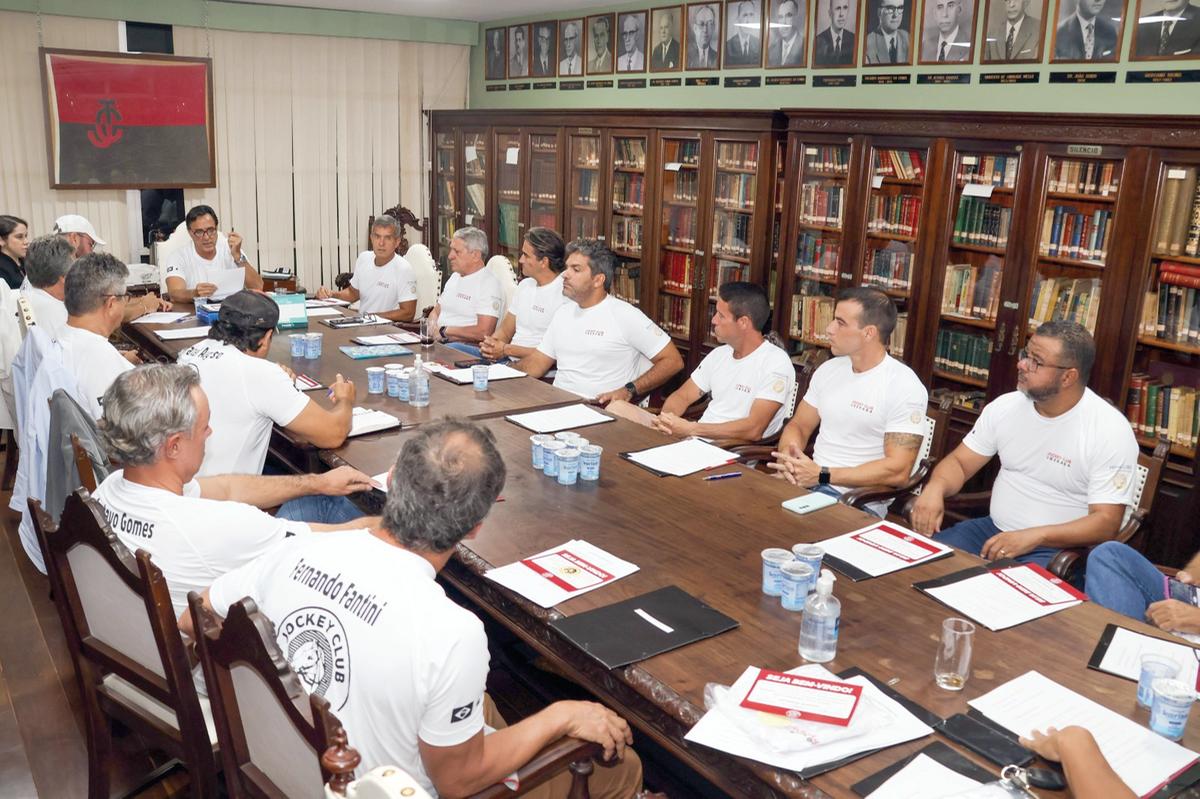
249, 310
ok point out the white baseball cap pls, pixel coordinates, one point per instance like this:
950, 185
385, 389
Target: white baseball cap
74, 223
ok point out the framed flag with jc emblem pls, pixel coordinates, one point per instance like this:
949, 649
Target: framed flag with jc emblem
128, 121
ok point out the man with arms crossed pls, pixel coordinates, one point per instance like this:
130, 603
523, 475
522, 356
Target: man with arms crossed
473, 300
536, 299
419, 706
383, 283
1067, 459
750, 379
196, 271
196, 529
605, 348
870, 406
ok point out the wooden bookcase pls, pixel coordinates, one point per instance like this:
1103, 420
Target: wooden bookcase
508, 156
626, 223
444, 198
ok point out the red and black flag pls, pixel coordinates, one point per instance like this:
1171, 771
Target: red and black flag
128, 120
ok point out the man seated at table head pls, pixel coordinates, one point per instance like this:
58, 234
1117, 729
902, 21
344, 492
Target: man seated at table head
155, 425
47, 262
248, 393
79, 232
383, 283
421, 705
749, 378
208, 266
473, 300
1067, 459
95, 296
536, 299
870, 406
604, 348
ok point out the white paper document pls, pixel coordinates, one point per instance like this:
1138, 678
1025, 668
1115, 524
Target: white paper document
1007, 597
314, 313
879, 721
556, 419
161, 318
683, 457
306, 383
182, 333
923, 778
1142, 759
402, 337
883, 548
381, 480
562, 572
366, 420
229, 281
330, 302
1124, 656
496, 371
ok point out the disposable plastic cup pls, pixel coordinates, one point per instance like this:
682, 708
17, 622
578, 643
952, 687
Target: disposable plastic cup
772, 578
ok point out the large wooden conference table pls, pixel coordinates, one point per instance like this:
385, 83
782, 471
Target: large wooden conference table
705, 537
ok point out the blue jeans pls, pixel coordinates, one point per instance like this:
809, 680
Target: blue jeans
972, 534
1120, 579
319, 509
462, 346
877, 508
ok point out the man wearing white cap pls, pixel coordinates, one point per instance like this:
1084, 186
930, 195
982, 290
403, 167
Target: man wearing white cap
79, 232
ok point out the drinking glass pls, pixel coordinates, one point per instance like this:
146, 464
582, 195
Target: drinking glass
953, 663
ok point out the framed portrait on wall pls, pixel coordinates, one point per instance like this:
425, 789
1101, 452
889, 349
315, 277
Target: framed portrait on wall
666, 53
128, 121
599, 40
518, 51
888, 24
703, 36
631, 41
1088, 31
495, 54
1166, 29
834, 44
544, 56
947, 32
1013, 31
743, 34
787, 33
570, 47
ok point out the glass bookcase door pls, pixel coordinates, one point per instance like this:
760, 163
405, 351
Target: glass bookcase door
508, 194
777, 196
583, 214
627, 208
543, 181
475, 164
735, 188
678, 237
446, 201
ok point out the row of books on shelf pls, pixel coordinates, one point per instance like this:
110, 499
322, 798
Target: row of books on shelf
834, 159
541, 218
446, 225
1068, 232
1171, 308
1158, 409
584, 226
989, 170
1178, 229
889, 268
627, 232
543, 144
446, 195
681, 151
894, 213
811, 317
972, 291
966, 354
629, 153
445, 161
722, 272
682, 187
982, 223
587, 188
899, 334
901, 164
587, 152
735, 190
543, 179
1083, 177
970, 400
1064, 298
680, 226
816, 255
509, 195
509, 232
737, 155
628, 191
821, 204
676, 315
476, 199
678, 270
627, 283
731, 234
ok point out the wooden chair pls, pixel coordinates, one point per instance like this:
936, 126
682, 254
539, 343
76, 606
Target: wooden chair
429, 277
506, 272
275, 737
129, 657
11, 454
83, 464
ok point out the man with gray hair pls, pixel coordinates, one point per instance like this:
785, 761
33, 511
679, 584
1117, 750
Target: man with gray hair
605, 348
384, 283
155, 425
1067, 459
472, 303
46, 265
95, 298
340, 603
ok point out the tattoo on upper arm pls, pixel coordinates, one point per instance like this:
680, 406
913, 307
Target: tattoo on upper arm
903, 440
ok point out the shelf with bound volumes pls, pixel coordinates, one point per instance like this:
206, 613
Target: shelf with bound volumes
583, 212
543, 182
627, 208
445, 205
735, 192
508, 158
679, 232
475, 178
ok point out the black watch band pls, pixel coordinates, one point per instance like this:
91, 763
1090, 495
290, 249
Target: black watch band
823, 477
632, 389
442, 332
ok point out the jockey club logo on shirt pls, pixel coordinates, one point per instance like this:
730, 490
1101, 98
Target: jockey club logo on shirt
539, 309
599, 333
777, 386
315, 644
495, 305
742, 387
859, 405
383, 285
1061, 460
462, 296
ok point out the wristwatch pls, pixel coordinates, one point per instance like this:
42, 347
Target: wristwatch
241, 258
442, 332
823, 477
632, 389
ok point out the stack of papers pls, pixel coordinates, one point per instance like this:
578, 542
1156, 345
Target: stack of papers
1003, 598
562, 572
681, 458
924, 777
880, 548
496, 371
1142, 759
229, 281
386, 351
1120, 652
316, 313
366, 420
329, 303
556, 419
182, 333
402, 337
161, 318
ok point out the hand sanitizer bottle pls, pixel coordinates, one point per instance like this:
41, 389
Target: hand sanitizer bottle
819, 626
418, 390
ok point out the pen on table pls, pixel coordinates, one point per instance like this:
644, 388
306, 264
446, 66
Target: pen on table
725, 476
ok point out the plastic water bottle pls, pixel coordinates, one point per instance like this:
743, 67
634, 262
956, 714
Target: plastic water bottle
819, 627
418, 390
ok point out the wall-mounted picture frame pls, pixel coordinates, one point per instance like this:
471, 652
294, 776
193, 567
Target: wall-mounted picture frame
495, 54
703, 37
743, 34
1013, 31
600, 44
888, 40
518, 51
666, 51
1088, 31
835, 44
543, 58
570, 48
1166, 30
631, 42
948, 32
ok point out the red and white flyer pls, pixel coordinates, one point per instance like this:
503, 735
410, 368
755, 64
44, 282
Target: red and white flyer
1007, 597
883, 548
562, 572
805, 698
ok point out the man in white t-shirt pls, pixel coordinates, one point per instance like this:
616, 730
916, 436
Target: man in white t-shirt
249, 393
473, 300
1067, 459
47, 262
383, 282
536, 299
210, 267
79, 232
365, 625
95, 299
749, 378
82, 239
870, 406
605, 349
155, 424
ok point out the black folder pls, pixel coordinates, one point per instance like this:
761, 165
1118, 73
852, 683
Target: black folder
616, 635
938, 751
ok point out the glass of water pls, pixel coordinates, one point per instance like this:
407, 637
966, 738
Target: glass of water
953, 663
426, 332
